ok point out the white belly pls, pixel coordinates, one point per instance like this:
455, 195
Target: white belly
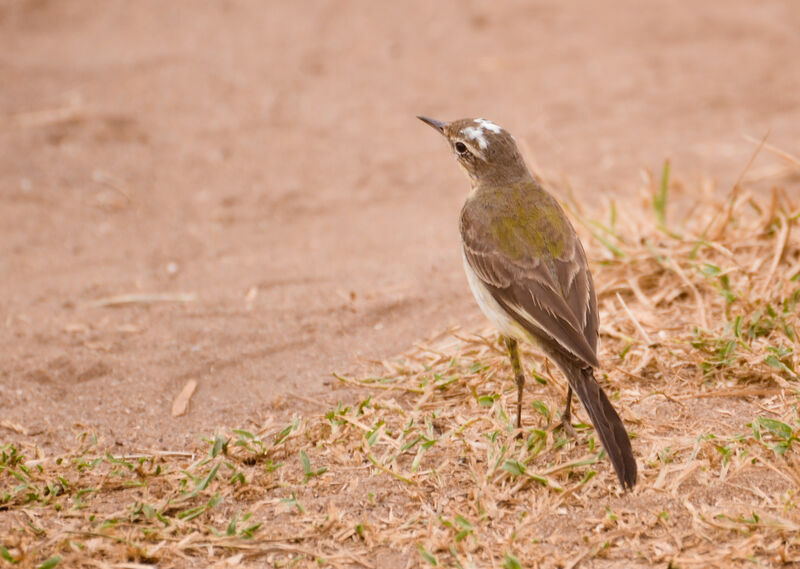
499, 318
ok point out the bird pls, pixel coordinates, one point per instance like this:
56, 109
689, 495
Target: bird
528, 272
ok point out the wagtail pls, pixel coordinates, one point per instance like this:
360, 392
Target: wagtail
528, 272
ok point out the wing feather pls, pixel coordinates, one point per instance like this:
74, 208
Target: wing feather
551, 296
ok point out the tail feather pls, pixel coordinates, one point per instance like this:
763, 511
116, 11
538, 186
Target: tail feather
607, 423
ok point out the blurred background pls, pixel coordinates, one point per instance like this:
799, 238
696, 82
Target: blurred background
238, 192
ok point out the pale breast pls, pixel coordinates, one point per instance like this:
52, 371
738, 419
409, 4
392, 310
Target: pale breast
499, 318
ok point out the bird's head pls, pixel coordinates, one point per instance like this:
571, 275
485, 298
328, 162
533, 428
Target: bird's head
486, 152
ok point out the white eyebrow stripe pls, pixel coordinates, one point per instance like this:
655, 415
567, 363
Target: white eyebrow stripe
476, 134
488, 125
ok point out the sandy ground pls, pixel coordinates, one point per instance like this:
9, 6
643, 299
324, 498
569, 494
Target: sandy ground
264, 159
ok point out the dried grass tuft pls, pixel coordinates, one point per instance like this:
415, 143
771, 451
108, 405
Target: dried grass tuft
421, 466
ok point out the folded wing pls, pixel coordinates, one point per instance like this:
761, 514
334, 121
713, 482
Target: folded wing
535, 268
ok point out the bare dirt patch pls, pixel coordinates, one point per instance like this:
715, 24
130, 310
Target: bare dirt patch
265, 160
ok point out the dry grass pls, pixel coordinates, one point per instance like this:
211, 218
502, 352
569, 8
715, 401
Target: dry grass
421, 466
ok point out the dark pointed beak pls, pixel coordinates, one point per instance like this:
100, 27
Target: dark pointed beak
438, 125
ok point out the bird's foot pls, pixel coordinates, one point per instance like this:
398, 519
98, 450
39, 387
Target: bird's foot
567, 427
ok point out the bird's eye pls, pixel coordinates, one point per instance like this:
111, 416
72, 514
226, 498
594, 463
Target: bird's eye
461, 148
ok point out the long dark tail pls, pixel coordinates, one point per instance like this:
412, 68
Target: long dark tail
606, 422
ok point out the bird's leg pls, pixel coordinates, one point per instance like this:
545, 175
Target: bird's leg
566, 416
519, 376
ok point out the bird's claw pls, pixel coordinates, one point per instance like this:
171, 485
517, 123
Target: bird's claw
567, 427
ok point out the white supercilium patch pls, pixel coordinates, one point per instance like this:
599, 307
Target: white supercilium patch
488, 125
476, 134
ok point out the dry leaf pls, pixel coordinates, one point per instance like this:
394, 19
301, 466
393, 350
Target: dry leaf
181, 402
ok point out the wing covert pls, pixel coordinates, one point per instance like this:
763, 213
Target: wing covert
550, 295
